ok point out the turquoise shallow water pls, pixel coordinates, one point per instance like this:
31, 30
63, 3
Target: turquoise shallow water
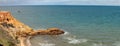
86, 25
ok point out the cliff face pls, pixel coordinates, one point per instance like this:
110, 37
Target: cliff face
18, 33
6, 39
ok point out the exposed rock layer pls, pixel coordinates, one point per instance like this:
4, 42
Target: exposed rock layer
19, 33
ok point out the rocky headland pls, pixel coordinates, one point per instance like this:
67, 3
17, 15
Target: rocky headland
15, 33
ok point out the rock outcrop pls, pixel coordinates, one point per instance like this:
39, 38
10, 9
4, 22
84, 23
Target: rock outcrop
17, 33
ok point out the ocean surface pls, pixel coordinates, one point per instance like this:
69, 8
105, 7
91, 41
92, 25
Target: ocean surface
84, 25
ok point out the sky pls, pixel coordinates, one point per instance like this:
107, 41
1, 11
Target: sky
60, 2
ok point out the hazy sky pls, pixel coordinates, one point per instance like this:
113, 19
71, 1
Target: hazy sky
59, 2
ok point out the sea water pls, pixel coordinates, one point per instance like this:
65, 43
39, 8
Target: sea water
83, 25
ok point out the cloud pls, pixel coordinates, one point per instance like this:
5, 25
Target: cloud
59, 2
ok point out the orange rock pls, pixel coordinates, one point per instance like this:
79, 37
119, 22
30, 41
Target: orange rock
55, 31
17, 29
50, 31
33, 33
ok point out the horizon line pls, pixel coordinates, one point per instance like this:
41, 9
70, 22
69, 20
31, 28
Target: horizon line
59, 5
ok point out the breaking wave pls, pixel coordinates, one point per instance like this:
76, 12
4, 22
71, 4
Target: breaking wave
76, 41
72, 39
68, 39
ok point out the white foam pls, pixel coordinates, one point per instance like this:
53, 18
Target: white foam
46, 44
76, 41
117, 44
66, 33
71, 39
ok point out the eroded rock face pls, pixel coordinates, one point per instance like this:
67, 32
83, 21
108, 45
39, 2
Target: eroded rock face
55, 31
50, 31
21, 32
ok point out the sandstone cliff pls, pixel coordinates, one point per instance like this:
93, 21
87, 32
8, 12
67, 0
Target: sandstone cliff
17, 34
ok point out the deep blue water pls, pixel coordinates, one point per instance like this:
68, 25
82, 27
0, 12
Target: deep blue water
88, 25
